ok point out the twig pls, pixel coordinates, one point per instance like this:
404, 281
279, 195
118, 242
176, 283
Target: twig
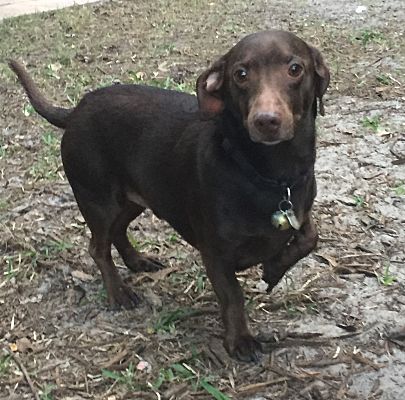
397, 342
376, 61
25, 373
115, 359
360, 110
261, 385
364, 360
400, 158
320, 363
284, 373
105, 395
343, 387
51, 366
358, 255
102, 70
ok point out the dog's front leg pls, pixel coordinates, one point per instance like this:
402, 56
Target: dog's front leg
303, 243
238, 341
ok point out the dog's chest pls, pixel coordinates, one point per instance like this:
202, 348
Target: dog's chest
248, 212
245, 223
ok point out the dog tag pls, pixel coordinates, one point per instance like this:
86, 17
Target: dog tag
280, 221
292, 219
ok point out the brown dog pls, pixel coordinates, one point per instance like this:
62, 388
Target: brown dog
232, 170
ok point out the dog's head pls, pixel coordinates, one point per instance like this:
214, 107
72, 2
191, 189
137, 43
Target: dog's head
271, 80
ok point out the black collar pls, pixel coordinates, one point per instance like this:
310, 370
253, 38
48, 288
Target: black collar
255, 177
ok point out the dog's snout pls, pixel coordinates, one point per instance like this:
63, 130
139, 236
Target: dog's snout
267, 122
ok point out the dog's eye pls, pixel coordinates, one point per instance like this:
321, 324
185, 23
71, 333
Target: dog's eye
241, 75
295, 70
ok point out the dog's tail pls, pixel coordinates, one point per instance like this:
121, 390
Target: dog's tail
55, 115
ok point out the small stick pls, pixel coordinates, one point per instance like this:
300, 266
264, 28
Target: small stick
261, 385
25, 373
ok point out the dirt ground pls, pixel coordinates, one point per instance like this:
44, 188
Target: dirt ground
333, 329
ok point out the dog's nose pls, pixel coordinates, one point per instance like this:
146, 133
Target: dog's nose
267, 122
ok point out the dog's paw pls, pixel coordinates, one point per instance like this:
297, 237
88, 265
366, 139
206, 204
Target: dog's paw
244, 348
272, 274
123, 297
140, 263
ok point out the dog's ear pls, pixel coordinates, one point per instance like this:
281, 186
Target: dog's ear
322, 77
210, 89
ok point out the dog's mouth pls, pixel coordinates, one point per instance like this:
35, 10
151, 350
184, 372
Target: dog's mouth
255, 139
271, 137
273, 143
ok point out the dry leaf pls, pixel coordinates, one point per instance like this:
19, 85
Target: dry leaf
13, 347
23, 345
82, 276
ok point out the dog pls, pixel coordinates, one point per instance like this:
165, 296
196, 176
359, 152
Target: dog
231, 169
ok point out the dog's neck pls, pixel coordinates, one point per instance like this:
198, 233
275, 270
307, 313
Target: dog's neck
286, 163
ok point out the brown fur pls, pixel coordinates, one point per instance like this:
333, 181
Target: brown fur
215, 169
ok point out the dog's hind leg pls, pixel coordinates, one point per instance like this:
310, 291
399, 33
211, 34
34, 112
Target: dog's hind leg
100, 210
134, 260
119, 294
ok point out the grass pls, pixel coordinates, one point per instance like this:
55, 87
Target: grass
182, 372
167, 320
163, 83
53, 248
193, 278
359, 201
387, 278
131, 379
3, 204
400, 189
372, 123
173, 238
28, 110
305, 305
100, 297
5, 362
59, 30
384, 79
368, 36
48, 165
176, 372
127, 378
79, 59
134, 242
20, 264
46, 392
11, 270
296, 302
151, 244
